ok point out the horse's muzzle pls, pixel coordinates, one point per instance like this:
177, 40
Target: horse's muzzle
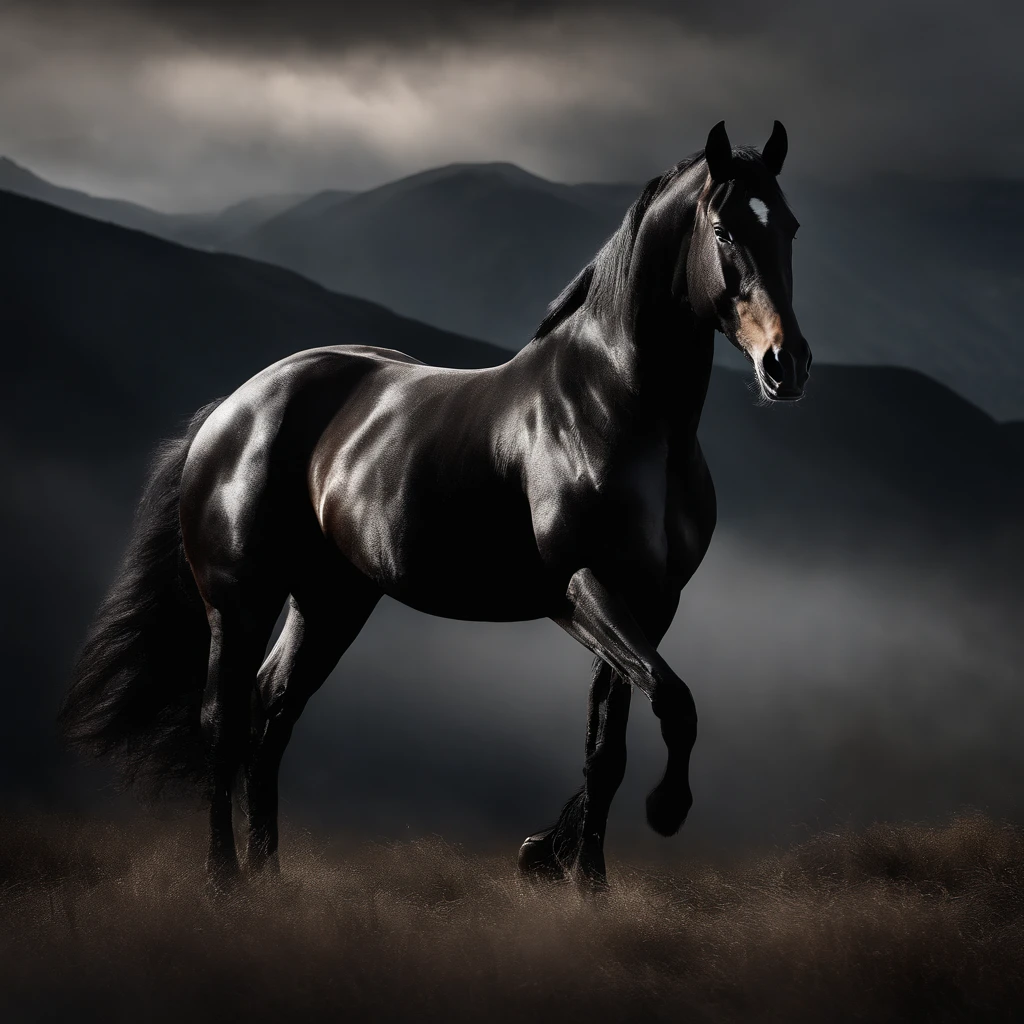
784, 370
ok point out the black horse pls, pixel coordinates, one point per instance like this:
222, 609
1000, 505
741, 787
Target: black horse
566, 483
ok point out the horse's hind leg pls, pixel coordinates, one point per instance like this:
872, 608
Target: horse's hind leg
240, 626
320, 626
576, 842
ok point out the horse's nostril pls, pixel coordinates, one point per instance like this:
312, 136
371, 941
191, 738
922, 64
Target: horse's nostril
772, 366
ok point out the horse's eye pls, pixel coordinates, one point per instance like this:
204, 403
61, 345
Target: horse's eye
723, 234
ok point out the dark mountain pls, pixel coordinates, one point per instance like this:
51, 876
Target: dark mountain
216, 230
21, 181
873, 460
917, 273
220, 230
481, 249
308, 210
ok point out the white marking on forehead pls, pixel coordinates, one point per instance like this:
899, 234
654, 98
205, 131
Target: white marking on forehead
760, 209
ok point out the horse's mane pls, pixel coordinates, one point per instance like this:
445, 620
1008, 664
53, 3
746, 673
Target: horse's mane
600, 277
600, 280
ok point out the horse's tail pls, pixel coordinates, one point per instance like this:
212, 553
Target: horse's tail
137, 687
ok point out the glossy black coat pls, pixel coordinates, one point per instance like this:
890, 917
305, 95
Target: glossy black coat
567, 483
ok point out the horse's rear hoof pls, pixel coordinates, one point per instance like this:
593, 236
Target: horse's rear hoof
537, 860
667, 808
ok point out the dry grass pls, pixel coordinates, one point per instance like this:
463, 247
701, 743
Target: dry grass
894, 923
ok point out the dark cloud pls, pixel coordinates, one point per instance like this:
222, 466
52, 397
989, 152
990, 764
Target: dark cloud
862, 34
181, 104
317, 25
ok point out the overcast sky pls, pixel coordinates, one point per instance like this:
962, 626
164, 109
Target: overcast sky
182, 104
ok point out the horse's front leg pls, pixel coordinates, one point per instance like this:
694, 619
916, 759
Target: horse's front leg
605, 768
575, 843
603, 622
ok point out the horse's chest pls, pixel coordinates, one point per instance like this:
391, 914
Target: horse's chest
602, 508
690, 516
637, 497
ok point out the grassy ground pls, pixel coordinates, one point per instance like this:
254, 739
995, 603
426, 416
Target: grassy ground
894, 923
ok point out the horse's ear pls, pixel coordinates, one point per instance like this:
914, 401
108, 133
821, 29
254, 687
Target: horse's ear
718, 153
775, 149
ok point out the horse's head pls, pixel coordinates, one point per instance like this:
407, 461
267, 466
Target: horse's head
739, 261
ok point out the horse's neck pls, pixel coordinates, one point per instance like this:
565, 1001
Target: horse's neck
635, 347
672, 350
659, 361
685, 380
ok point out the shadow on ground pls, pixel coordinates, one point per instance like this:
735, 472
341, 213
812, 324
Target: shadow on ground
111, 922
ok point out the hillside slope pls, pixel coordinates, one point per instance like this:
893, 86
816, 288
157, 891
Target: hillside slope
480, 249
213, 230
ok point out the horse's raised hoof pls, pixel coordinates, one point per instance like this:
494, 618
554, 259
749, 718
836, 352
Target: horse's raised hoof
667, 807
537, 860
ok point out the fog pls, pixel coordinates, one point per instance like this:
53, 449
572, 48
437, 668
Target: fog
842, 695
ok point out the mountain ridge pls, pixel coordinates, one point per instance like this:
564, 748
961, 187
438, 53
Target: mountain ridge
891, 271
